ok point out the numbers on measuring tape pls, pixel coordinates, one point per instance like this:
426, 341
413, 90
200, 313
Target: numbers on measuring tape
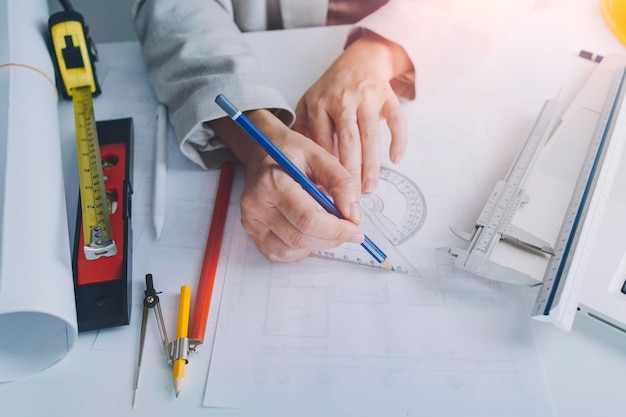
94, 206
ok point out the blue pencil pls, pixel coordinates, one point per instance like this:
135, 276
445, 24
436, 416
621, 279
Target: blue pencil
291, 169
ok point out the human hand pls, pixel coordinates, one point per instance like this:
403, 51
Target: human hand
284, 221
349, 99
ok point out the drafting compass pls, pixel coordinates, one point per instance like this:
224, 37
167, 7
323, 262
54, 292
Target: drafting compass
175, 351
494, 222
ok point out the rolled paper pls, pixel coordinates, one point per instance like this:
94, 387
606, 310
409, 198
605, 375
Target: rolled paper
38, 325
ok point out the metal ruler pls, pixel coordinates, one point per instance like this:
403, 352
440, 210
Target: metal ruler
557, 300
74, 67
494, 222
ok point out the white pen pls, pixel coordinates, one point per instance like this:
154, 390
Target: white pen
160, 170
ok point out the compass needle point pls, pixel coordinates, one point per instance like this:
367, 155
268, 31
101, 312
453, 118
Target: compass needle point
176, 351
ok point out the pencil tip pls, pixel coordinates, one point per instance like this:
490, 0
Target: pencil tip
177, 392
388, 265
158, 223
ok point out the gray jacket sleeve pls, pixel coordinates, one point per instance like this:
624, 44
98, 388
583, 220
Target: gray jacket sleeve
194, 51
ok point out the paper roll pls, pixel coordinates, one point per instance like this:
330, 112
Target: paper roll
38, 323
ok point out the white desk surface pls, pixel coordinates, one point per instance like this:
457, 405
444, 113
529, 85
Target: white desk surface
585, 369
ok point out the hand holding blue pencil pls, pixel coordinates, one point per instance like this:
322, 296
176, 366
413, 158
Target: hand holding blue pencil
294, 172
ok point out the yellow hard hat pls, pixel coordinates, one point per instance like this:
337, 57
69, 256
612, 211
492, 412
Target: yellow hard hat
614, 13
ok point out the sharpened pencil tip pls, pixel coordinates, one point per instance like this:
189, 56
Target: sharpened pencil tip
388, 265
158, 227
177, 392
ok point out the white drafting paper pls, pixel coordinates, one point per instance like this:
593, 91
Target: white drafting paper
333, 337
37, 313
320, 335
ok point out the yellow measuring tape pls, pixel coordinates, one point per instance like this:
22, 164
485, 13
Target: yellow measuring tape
75, 68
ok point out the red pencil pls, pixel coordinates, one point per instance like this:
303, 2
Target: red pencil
202, 302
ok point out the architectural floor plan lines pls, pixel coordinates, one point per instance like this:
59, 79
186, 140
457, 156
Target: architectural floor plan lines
316, 332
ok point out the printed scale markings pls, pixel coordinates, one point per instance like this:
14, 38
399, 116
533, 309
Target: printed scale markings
73, 61
552, 296
494, 222
411, 202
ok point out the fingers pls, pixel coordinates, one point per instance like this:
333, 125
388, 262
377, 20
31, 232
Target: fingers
314, 122
349, 144
292, 225
349, 99
301, 124
396, 121
284, 221
338, 183
370, 146
355, 121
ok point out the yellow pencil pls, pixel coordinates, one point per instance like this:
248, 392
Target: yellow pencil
181, 332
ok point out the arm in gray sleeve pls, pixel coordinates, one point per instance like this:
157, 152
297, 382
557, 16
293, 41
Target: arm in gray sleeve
194, 51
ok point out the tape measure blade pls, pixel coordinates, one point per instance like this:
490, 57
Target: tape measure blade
94, 208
